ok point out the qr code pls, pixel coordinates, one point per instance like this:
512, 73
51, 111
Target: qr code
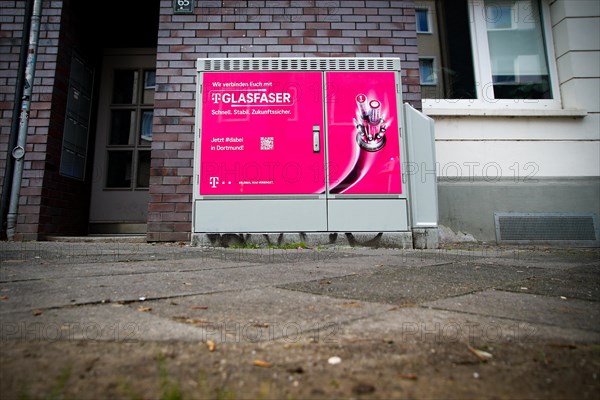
267, 143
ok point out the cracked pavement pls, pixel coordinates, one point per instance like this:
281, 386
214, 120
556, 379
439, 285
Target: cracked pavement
163, 292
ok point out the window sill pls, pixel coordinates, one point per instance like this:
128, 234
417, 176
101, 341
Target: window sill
479, 112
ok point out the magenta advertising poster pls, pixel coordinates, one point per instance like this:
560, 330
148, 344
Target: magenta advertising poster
257, 133
363, 142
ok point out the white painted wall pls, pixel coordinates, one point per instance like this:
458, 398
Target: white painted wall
517, 143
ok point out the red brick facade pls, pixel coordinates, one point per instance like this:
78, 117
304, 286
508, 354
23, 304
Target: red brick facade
321, 28
32, 189
49, 203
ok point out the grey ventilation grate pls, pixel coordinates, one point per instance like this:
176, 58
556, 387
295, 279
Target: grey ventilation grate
551, 228
298, 64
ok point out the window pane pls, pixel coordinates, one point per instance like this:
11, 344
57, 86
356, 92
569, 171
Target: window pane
499, 16
118, 174
422, 20
146, 128
143, 169
149, 86
451, 46
124, 87
427, 71
122, 127
517, 50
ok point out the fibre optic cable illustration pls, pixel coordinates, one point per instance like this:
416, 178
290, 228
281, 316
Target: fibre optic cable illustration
370, 124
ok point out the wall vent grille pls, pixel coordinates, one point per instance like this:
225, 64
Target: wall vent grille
547, 228
298, 64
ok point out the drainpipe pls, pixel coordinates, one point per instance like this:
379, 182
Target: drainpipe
19, 151
14, 128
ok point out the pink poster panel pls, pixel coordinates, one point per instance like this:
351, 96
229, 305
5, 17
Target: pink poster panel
363, 140
257, 133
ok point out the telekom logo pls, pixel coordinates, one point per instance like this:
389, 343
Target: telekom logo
213, 180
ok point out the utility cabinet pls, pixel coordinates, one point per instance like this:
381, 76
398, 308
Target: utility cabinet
309, 145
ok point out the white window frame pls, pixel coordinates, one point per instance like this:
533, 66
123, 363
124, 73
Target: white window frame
433, 66
429, 27
483, 70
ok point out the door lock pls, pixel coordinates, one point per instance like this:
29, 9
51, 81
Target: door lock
316, 138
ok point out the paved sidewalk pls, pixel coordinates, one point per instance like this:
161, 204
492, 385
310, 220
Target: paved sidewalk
98, 289
138, 292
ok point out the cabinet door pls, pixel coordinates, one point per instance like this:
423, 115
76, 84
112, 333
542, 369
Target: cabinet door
365, 185
262, 156
362, 133
262, 134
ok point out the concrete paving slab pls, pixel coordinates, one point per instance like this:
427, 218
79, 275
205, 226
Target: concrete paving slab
535, 309
65, 270
28, 252
581, 282
420, 324
145, 279
518, 256
20, 253
97, 261
107, 322
409, 285
264, 314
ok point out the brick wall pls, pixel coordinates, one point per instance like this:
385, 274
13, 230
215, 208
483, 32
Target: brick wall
320, 28
41, 101
49, 203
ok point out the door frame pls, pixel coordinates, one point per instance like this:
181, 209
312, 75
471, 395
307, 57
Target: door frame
112, 210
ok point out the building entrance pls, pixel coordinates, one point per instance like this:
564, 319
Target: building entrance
121, 172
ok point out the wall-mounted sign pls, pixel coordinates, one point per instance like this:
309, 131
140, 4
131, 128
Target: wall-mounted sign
183, 6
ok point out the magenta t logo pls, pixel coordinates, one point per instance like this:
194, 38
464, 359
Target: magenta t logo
213, 180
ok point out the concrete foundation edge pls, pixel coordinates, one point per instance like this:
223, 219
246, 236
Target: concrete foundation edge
425, 238
401, 240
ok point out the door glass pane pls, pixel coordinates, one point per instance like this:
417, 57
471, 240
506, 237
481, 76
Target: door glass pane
146, 128
149, 86
517, 50
124, 87
122, 127
143, 169
118, 173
